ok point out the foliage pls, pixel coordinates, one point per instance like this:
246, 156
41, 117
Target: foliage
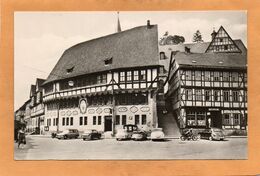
197, 37
171, 40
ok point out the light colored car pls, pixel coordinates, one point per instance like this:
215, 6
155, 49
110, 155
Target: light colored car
122, 134
91, 134
68, 134
157, 134
139, 135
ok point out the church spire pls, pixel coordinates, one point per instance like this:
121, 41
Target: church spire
118, 23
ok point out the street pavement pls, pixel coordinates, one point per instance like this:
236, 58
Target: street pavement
45, 148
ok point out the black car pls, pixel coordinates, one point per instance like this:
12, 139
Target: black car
91, 134
212, 134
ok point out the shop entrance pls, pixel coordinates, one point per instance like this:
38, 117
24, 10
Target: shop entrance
216, 119
108, 123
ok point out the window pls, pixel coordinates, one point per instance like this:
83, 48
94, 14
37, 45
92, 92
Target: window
122, 76
191, 118
137, 120
63, 121
234, 76
67, 121
188, 94
123, 119
216, 95
71, 121
94, 120
128, 76
216, 76
57, 121
235, 95
188, 75
198, 95
117, 119
98, 79
99, 120
197, 75
81, 121
108, 61
196, 118
136, 75
227, 119
236, 119
162, 56
225, 76
143, 119
201, 118
207, 76
54, 122
226, 95
85, 120
142, 75
207, 95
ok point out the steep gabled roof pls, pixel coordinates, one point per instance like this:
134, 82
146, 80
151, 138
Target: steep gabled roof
214, 60
131, 48
222, 42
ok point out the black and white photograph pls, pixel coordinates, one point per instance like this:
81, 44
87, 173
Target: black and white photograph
130, 85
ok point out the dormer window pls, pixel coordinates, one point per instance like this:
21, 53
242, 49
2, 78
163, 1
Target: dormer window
70, 70
162, 56
108, 61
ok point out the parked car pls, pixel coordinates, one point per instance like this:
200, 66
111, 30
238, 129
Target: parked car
157, 134
91, 134
126, 132
139, 135
212, 134
68, 134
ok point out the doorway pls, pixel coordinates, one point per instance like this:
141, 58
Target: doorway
108, 123
216, 119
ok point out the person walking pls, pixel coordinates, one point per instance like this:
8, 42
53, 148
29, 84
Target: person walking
21, 137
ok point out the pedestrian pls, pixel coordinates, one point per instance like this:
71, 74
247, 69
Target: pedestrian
21, 137
209, 122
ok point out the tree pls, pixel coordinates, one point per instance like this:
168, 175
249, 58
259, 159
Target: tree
171, 40
197, 37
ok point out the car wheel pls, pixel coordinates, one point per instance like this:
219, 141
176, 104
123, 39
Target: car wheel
117, 139
210, 138
65, 137
182, 138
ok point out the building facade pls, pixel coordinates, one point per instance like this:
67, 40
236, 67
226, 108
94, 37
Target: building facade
105, 83
208, 83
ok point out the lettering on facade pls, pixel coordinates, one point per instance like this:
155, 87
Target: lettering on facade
133, 109
83, 104
145, 109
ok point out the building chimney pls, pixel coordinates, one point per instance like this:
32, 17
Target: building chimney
148, 24
213, 34
187, 49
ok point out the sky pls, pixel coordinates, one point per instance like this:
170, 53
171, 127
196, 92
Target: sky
40, 38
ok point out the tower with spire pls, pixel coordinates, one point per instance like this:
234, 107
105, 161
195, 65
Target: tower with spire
118, 23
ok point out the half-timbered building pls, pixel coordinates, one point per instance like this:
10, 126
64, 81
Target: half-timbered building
105, 83
208, 82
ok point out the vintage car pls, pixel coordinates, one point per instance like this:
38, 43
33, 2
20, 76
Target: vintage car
126, 132
212, 134
157, 134
139, 135
91, 134
68, 134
